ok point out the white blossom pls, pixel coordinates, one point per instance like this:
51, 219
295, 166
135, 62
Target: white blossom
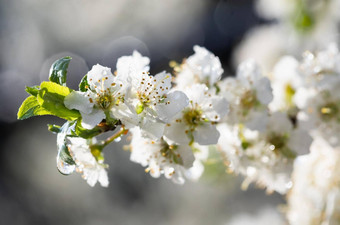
152, 104
197, 122
308, 24
285, 80
319, 113
176, 162
299, 25
132, 65
249, 95
321, 70
315, 196
92, 171
264, 157
201, 67
105, 96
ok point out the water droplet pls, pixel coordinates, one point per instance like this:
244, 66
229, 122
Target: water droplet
63, 167
118, 139
289, 185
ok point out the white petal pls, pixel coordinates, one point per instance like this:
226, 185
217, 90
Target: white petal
178, 101
131, 66
103, 178
186, 155
123, 112
196, 93
176, 132
206, 134
163, 80
257, 120
195, 172
152, 129
264, 91
100, 78
215, 108
178, 178
91, 176
300, 141
89, 121
80, 101
77, 141
248, 71
205, 65
184, 79
279, 123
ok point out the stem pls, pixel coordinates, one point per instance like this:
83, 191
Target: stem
122, 131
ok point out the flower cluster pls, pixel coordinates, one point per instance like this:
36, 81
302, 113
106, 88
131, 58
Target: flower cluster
266, 126
295, 27
170, 127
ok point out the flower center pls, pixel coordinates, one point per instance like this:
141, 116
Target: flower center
248, 101
328, 111
105, 101
289, 94
193, 116
170, 152
278, 144
151, 92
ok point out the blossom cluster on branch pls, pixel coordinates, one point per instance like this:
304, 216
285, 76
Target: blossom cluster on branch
279, 130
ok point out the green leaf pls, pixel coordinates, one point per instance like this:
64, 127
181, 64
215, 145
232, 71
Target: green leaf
51, 97
30, 107
33, 90
58, 70
85, 133
84, 85
101, 128
54, 128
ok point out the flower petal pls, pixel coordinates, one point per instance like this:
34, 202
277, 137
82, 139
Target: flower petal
103, 178
89, 121
80, 101
300, 141
264, 91
134, 63
163, 82
187, 155
152, 129
215, 108
128, 118
100, 78
176, 133
206, 134
178, 101
196, 93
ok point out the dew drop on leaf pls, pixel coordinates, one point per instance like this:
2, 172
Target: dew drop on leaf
63, 167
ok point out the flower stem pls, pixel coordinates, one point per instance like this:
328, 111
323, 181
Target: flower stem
122, 131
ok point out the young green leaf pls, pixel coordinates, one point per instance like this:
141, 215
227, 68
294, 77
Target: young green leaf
33, 90
30, 107
51, 97
58, 70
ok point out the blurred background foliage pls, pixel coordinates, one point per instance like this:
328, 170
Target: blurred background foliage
34, 33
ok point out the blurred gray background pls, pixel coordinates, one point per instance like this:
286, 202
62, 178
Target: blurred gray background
34, 33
